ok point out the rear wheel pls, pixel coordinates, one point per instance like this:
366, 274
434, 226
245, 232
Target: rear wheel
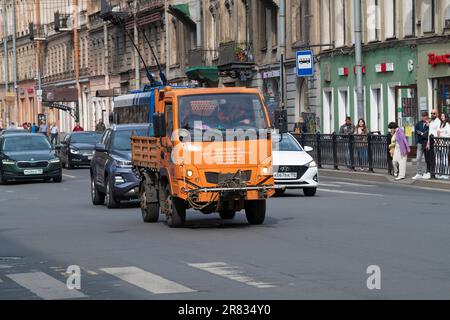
309, 192
255, 211
175, 210
97, 197
227, 214
111, 202
150, 211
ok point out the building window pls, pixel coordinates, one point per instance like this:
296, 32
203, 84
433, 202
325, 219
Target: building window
390, 16
409, 17
274, 27
340, 23
373, 20
429, 15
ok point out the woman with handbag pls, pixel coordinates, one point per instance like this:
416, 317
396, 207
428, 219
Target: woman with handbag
399, 149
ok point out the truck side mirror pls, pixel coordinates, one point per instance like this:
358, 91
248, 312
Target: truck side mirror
280, 120
159, 125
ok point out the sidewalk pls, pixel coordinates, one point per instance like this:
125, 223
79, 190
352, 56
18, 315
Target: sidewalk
383, 176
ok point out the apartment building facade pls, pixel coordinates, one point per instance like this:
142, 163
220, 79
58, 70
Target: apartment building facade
399, 78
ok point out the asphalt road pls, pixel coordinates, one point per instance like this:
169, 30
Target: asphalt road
309, 248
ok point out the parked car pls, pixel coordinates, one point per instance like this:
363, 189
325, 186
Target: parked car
77, 148
293, 167
26, 157
112, 178
14, 131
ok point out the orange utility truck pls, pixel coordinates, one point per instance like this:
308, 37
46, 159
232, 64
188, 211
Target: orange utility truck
211, 151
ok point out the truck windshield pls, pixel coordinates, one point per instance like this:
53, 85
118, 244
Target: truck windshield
221, 112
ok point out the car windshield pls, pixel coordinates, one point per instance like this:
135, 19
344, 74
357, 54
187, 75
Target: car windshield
26, 143
221, 112
285, 142
121, 138
86, 137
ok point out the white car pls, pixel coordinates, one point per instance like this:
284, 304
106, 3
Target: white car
293, 167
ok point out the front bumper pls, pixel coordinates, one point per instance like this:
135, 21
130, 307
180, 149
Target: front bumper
47, 174
310, 179
80, 159
126, 185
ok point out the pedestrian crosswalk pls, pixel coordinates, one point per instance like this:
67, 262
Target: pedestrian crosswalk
50, 284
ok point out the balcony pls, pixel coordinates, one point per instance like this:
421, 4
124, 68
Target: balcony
201, 65
235, 56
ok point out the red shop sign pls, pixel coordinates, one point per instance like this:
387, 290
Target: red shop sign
434, 60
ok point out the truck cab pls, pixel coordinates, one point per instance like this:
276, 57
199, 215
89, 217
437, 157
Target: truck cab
211, 151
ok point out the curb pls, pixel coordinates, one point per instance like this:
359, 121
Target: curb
377, 177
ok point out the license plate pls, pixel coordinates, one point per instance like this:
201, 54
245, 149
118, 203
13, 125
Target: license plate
285, 175
32, 172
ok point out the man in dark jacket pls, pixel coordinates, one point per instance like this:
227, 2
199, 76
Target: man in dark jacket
422, 130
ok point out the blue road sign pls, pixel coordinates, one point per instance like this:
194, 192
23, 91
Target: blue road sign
305, 63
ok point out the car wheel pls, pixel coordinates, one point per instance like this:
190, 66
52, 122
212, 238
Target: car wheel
227, 214
150, 211
2, 179
111, 202
175, 210
309, 192
97, 197
58, 179
255, 211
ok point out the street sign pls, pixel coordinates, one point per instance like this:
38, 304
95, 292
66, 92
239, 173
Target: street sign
305, 63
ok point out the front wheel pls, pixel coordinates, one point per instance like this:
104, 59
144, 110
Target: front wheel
111, 202
58, 179
309, 192
255, 211
3, 180
175, 210
97, 197
227, 214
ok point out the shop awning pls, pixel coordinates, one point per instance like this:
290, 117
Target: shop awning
203, 73
182, 13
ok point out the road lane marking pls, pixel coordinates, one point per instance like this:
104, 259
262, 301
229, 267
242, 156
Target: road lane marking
5, 266
69, 176
45, 286
230, 272
352, 193
147, 280
353, 184
329, 185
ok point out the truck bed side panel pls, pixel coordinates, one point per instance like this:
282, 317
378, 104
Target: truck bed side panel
145, 152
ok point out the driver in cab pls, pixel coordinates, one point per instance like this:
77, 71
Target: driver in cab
233, 116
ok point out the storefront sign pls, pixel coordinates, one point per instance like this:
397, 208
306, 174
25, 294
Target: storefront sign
271, 74
384, 67
343, 71
435, 60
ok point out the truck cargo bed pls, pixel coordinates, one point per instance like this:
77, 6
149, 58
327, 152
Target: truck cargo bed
145, 151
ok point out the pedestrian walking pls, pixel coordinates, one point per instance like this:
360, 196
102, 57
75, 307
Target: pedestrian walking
442, 146
361, 133
43, 128
100, 127
54, 134
421, 130
434, 125
77, 127
399, 151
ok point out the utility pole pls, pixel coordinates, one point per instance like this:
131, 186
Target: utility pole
282, 47
5, 47
358, 58
76, 57
14, 62
137, 63
38, 52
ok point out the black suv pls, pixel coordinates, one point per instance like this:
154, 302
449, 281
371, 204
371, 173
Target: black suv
77, 148
112, 178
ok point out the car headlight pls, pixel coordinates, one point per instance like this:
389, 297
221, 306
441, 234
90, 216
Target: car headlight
8, 162
55, 160
123, 163
74, 151
312, 164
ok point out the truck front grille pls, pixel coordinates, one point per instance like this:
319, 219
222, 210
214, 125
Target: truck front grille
216, 177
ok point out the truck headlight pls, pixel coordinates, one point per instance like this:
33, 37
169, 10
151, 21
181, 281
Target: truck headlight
189, 173
265, 170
